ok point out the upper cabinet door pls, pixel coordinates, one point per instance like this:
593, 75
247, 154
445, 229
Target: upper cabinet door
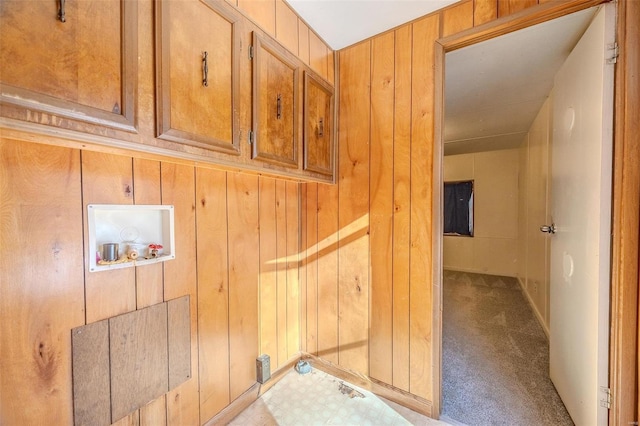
71, 59
318, 125
275, 99
198, 76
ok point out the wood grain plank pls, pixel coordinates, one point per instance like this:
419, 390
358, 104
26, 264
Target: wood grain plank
484, 11
402, 207
268, 266
328, 272
281, 272
138, 359
425, 32
154, 413
318, 55
91, 375
509, 7
107, 179
331, 72
303, 42
311, 213
179, 341
381, 206
286, 26
146, 190
213, 291
262, 12
292, 260
302, 269
180, 279
244, 268
353, 189
42, 217
457, 18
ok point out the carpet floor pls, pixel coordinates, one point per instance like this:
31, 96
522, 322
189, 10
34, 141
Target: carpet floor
495, 355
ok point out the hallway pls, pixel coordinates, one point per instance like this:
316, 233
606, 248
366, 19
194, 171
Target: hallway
495, 355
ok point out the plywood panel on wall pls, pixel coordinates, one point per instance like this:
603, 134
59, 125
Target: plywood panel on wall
42, 291
262, 12
311, 264
286, 26
509, 7
281, 272
293, 286
244, 268
180, 274
425, 32
457, 18
381, 206
401, 206
107, 179
484, 11
268, 270
213, 291
353, 208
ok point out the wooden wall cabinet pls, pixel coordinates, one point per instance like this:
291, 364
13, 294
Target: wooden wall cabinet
197, 72
275, 103
75, 60
318, 125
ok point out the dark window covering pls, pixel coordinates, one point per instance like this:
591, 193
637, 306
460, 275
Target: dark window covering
458, 207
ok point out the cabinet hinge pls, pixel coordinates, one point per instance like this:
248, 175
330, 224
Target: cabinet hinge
250, 52
614, 49
250, 136
605, 401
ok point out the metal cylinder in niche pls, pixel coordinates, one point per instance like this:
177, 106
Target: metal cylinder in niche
110, 252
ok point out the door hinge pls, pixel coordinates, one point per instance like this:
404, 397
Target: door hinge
615, 52
250, 134
250, 52
605, 401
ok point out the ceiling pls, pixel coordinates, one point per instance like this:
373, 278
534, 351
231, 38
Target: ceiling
494, 89
342, 23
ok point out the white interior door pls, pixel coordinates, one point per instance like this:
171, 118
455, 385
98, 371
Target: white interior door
581, 157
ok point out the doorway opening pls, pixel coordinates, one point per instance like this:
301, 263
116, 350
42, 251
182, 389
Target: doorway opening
498, 128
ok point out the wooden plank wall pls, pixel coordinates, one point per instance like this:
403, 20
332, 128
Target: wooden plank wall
370, 267
237, 239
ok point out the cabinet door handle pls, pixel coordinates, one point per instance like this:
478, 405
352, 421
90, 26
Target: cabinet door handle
205, 69
321, 127
61, 11
279, 107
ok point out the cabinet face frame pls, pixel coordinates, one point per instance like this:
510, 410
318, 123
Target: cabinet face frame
164, 129
259, 44
125, 119
311, 79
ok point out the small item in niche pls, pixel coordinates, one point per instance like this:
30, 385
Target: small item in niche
135, 250
122, 259
109, 252
154, 250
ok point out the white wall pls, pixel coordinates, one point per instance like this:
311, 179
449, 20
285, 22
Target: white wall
533, 245
494, 247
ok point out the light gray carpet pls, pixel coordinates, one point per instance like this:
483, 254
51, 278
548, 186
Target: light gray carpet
495, 355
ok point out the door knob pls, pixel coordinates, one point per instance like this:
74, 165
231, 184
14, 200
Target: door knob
550, 229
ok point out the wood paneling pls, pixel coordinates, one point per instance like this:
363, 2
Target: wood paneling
213, 291
328, 272
179, 340
425, 33
353, 208
303, 42
41, 296
281, 274
401, 206
244, 269
286, 26
178, 189
484, 11
318, 53
509, 7
310, 211
154, 413
292, 309
107, 179
381, 206
457, 18
146, 184
268, 270
262, 12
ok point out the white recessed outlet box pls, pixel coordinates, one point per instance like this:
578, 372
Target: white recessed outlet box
144, 234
